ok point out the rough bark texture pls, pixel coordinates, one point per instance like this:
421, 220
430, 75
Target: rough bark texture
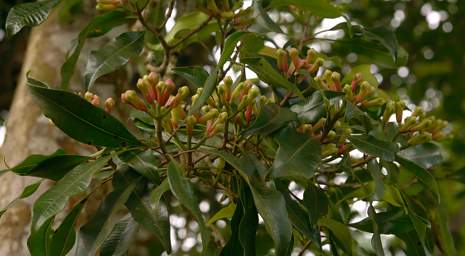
29, 132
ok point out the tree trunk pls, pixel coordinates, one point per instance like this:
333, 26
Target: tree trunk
28, 131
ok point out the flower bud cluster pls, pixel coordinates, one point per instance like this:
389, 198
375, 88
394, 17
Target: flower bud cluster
94, 99
290, 64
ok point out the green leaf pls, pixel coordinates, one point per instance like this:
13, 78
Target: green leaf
53, 166
94, 233
80, 119
158, 192
143, 162
248, 224
39, 241
312, 109
375, 147
268, 74
113, 56
65, 236
184, 24
425, 155
224, 213
375, 171
28, 15
321, 8
444, 234
394, 221
264, 19
207, 91
340, 231
120, 238
229, 46
99, 25
376, 238
316, 201
271, 118
385, 37
73, 183
194, 75
154, 220
297, 157
27, 192
423, 175
365, 70
183, 191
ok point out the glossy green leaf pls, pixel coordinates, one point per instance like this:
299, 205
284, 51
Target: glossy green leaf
28, 15
224, 213
53, 166
365, 71
376, 238
94, 233
375, 171
120, 238
322, 8
185, 23
158, 192
80, 119
39, 241
65, 236
312, 109
248, 224
385, 37
271, 118
445, 236
113, 55
99, 25
207, 91
183, 191
297, 157
229, 46
425, 155
374, 147
154, 220
340, 231
423, 175
56, 198
316, 201
143, 162
197, 76
27, 192
268, 74
394, 221
263, 17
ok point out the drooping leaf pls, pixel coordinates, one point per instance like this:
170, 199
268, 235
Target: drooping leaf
311, 110
80, 119
65, 236
28, 15
55, 199
224, 213
154, 220
53, 166
376, 238
99, 25
27, 191
297, 157
113, 56
394, 221
270, 75
39, 241
120, 238
322, 8
248, 224
423, 175
375, 147
94, 233
194, 75
425, 155
316, 201
375, 171
365, 71
340, 231
271, 118
182, 189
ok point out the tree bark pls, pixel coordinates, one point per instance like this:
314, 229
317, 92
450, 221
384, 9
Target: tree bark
29, 132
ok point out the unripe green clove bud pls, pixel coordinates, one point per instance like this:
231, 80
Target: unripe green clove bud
212, 113
329, 149
388, 111
420, 138
400, 105
109, 104
130, 97
283, 64
373, 103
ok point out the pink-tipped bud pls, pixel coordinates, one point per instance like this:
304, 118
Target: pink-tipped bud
355, 81
248, 114
95, 100
294, 54
283, 64
315, 66
109, 104
130, 97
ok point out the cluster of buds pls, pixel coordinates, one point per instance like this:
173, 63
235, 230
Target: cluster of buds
362, 93
158, 95
310, 63
107, 5
94, 99
221, 8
